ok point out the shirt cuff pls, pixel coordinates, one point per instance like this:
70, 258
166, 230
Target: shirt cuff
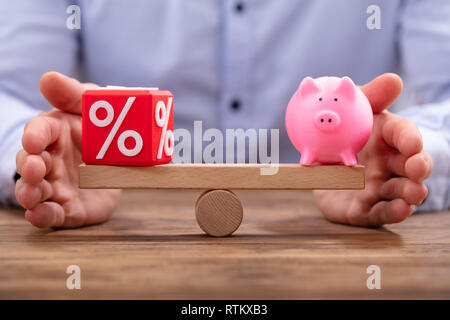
438, 183
8, 170
15, 114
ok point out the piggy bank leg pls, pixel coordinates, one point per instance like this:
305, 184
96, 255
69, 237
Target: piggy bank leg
349, 158
307, 158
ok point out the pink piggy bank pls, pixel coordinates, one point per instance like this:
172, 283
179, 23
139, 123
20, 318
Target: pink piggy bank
329, 120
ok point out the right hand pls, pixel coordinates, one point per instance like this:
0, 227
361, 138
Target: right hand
395, 165
48, 163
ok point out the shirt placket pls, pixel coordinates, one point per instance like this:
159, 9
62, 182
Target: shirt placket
235, 97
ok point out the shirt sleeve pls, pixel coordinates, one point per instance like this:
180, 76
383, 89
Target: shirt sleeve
425, 52
34, 39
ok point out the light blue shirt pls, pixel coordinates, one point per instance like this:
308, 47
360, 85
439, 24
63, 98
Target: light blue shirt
216, 54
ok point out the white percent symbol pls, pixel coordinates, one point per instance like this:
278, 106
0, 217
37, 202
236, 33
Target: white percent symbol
162, 114
102, 104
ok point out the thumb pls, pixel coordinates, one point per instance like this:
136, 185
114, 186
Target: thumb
382, 91
63, 92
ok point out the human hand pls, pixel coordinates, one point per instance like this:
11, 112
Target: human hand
48, 163
395, 166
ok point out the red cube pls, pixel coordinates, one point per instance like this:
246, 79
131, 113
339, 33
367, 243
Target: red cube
130, 126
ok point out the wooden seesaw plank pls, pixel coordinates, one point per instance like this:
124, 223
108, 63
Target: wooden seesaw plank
221, 176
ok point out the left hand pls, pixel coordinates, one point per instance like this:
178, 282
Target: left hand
48, 163
395, 165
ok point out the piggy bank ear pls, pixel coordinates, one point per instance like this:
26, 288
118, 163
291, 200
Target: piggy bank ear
308, 86
346, 88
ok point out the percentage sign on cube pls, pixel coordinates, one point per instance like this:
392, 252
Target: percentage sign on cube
102, 104
116, 117
166, 141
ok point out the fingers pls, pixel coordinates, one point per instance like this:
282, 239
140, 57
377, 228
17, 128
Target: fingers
402, 135
387, 212
396, 164
31, 188
63, 92
411, 192
39, 133
382, 91
20, 160
417, 167
29, 195
33, 168
46, 214
404, 191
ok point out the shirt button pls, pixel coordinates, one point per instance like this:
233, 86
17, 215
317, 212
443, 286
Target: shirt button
239, 7
235, 105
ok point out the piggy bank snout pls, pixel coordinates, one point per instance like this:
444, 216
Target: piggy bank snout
327, 120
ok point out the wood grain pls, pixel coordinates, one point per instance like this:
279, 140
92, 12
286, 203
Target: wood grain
219, 212
222, 176
152, 248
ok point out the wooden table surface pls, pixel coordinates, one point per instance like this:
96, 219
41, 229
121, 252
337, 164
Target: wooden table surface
152, 248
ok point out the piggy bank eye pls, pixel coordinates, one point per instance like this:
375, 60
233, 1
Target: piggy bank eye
335, 99
320, 99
